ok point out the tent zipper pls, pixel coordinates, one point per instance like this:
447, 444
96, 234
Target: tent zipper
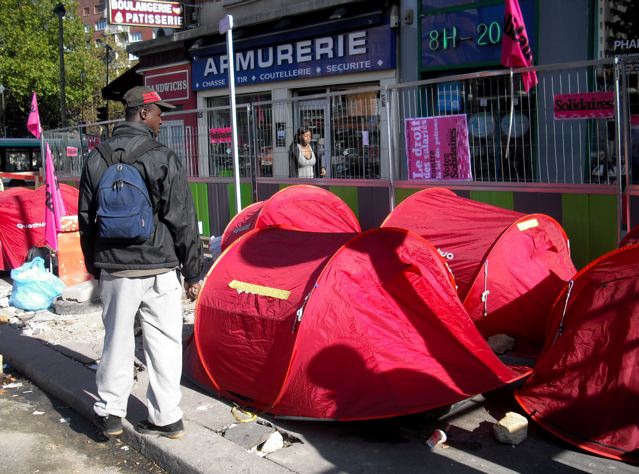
486, 292
300, 312
560, 329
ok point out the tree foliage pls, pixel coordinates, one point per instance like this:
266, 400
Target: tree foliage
29, 59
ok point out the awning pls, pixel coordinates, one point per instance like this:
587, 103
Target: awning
115, 89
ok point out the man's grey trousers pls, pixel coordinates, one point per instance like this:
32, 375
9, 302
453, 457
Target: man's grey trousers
158, 300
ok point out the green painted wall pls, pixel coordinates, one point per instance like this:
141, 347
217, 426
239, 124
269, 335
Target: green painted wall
403, 193
200, 195
348, 194
590, 220
503, 199
246, 198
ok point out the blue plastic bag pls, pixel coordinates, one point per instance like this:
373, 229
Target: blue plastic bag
34, 288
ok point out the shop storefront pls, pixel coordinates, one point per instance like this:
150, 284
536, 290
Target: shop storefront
313, 78
465, 37
179, 129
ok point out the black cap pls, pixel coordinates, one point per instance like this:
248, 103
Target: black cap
143, 95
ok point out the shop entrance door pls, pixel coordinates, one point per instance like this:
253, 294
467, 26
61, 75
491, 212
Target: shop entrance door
314, 115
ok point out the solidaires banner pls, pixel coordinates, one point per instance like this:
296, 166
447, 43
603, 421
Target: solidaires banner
145, 13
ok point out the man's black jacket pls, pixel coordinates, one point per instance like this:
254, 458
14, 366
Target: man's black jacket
175, 241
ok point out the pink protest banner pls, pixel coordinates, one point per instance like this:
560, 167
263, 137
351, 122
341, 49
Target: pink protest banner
515, 49
92, 142
587, 105
33, 122
220, 135
54, 206
72, 151
437, 148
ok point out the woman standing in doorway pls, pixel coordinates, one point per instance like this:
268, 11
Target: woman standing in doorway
302, 160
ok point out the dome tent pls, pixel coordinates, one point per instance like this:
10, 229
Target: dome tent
632, 237
22, 221
509, 266
241, 223
301, 207
585, 387
339, 326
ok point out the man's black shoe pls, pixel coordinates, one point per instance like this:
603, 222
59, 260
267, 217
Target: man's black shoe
110, 425
172, 431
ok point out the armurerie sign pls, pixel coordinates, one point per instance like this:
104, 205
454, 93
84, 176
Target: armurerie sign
437, 147
146, 13
314, 55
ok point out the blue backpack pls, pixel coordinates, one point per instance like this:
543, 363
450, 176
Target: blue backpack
125, 211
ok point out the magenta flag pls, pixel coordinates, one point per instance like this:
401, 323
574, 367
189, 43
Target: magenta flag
54, 206
33, 122
515, 49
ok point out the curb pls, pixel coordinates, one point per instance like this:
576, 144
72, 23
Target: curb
201, 451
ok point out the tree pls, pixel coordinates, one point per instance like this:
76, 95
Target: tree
29, 60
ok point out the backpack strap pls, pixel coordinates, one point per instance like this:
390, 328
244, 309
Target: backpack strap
108, 153
139, 150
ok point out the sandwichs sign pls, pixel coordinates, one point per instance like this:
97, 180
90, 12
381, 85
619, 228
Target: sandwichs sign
146, 13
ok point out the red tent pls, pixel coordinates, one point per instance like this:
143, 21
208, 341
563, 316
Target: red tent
509, 266
22, 221
338, 326
585, 387
299, 207
632, 237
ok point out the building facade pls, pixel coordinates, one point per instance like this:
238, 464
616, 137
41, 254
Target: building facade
353, 72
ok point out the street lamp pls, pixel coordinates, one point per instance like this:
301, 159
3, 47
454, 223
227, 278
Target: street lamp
108, 52
4, 127
60, 11
107, 60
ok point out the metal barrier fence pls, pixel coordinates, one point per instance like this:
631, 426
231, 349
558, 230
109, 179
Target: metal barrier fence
514, 136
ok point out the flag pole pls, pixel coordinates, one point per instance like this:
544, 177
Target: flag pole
512, 113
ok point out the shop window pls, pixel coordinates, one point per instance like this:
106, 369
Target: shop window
355, 136
255, 143
345, 130
100, 25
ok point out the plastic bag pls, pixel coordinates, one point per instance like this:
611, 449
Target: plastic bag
34, 288
215, 246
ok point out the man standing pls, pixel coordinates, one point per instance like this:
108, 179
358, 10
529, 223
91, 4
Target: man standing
140, 277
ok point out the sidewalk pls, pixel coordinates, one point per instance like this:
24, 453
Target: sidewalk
57, 353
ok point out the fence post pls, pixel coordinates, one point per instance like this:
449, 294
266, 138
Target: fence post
626, 145
510, 121
619, 139
253, 139
386, 103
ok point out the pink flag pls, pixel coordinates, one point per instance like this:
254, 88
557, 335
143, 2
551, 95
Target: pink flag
54, 206
33, 122
515, 49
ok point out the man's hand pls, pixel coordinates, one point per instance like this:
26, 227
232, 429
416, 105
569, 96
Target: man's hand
192, 290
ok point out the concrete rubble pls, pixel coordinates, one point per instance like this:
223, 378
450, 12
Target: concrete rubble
511, 429
501, 343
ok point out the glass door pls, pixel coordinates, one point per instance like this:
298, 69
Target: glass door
314, 115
